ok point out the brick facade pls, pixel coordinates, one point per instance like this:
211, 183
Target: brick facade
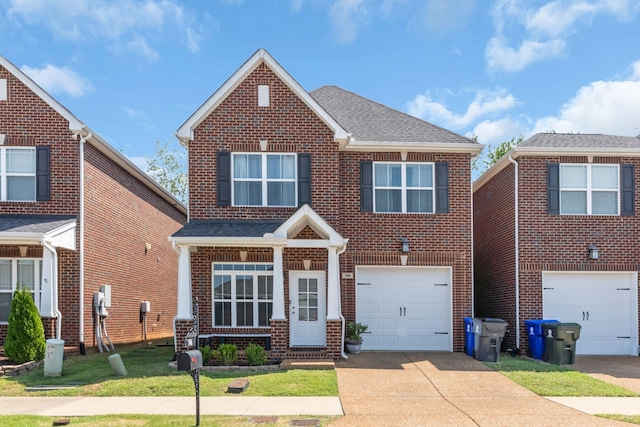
546, 242
122, 213
237, 124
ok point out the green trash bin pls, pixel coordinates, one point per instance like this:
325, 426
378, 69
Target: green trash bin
560, 342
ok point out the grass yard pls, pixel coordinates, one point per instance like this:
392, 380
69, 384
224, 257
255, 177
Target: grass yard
148, 374
546, 379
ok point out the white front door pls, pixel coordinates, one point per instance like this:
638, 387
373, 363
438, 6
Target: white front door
307, 309
405, 308
604, 304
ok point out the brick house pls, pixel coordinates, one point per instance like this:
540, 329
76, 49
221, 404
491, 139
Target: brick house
76, 215
299, 204
555, 237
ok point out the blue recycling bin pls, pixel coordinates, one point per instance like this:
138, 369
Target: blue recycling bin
469, 336
536, 336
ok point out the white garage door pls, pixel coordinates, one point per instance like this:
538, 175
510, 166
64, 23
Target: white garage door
604, 304
407, 308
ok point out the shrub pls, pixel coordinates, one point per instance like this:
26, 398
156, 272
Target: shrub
25, 334
255, 355
227, 354
207, 353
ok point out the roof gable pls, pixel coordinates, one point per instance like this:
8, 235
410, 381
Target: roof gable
185, 132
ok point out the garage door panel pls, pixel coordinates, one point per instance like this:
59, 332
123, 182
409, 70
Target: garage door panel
409, 305
601, 302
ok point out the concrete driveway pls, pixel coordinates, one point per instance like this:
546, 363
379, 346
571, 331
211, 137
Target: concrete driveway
621, 370
442, 389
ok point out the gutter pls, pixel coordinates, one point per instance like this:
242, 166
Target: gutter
55, 286
517, 247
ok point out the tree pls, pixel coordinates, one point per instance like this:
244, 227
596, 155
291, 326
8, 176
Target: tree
492, 153
25, 334
168, 169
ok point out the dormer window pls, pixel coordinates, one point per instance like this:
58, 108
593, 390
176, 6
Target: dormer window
263, 95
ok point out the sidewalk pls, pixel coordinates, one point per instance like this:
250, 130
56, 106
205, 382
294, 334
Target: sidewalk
231, 405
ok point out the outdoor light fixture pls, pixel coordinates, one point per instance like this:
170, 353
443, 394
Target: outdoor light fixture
593, 251
405, 245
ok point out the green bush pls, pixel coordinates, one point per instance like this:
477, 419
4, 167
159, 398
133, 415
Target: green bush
255, 355
227, 354
207, 353
25, 334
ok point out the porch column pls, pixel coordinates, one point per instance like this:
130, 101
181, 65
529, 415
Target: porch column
184, 285
333, 295
278, 285
46, 283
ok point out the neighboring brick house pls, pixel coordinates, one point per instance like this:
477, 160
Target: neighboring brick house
299, 204
75, 215
556, 225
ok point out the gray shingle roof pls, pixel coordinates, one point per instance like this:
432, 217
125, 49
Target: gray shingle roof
222, 228
33, 223
367, 120
578, 140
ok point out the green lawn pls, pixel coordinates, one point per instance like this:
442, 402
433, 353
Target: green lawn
546, 379
149, 374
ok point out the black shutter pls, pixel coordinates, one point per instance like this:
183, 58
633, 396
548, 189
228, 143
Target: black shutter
366, 186
304, 179
223, 177
627, 177
553, 188
43, 174
442, 187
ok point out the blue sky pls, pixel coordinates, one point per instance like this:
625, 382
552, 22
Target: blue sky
134, 71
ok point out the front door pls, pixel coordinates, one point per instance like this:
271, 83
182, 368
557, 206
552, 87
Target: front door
307, 309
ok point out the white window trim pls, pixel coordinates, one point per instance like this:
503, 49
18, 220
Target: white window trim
403, 187
3, 174
37, 291
589, 190
234, 299
264, 180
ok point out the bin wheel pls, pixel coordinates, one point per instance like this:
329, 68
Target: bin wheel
529, 354
545, 357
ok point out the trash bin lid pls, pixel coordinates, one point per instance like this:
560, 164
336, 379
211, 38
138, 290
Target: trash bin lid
54, 341
493, 320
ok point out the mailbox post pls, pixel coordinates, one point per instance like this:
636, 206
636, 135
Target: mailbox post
191, 360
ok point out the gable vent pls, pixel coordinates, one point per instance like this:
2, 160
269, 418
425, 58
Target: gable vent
263, 95
3, 89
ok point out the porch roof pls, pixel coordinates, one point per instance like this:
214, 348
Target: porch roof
32, 229
227, 228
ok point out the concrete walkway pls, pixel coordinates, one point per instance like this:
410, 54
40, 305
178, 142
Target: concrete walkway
377, 388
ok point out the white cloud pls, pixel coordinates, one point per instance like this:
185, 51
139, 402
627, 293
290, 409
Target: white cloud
485, 103
492, 132
140, 46
193, 40
444, 16
609, 107
135, 114
546, 28
59, 80
113, 20
140, 162
345, 17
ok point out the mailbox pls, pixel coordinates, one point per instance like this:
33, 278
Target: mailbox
189, 360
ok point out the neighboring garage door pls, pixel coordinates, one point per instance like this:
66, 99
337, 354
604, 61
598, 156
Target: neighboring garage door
605, 304
407, 308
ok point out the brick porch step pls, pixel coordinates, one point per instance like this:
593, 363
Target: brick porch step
307, 364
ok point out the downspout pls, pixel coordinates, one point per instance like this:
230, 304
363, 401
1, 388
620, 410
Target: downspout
517, 260
342, 353
81, 270
54, 261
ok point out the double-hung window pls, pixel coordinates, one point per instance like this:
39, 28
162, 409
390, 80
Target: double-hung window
24, 273
242, 295
592, 189
18, 173
404, 187
261, 179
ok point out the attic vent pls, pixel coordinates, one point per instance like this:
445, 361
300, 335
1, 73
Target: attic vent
263, 95
3, 89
